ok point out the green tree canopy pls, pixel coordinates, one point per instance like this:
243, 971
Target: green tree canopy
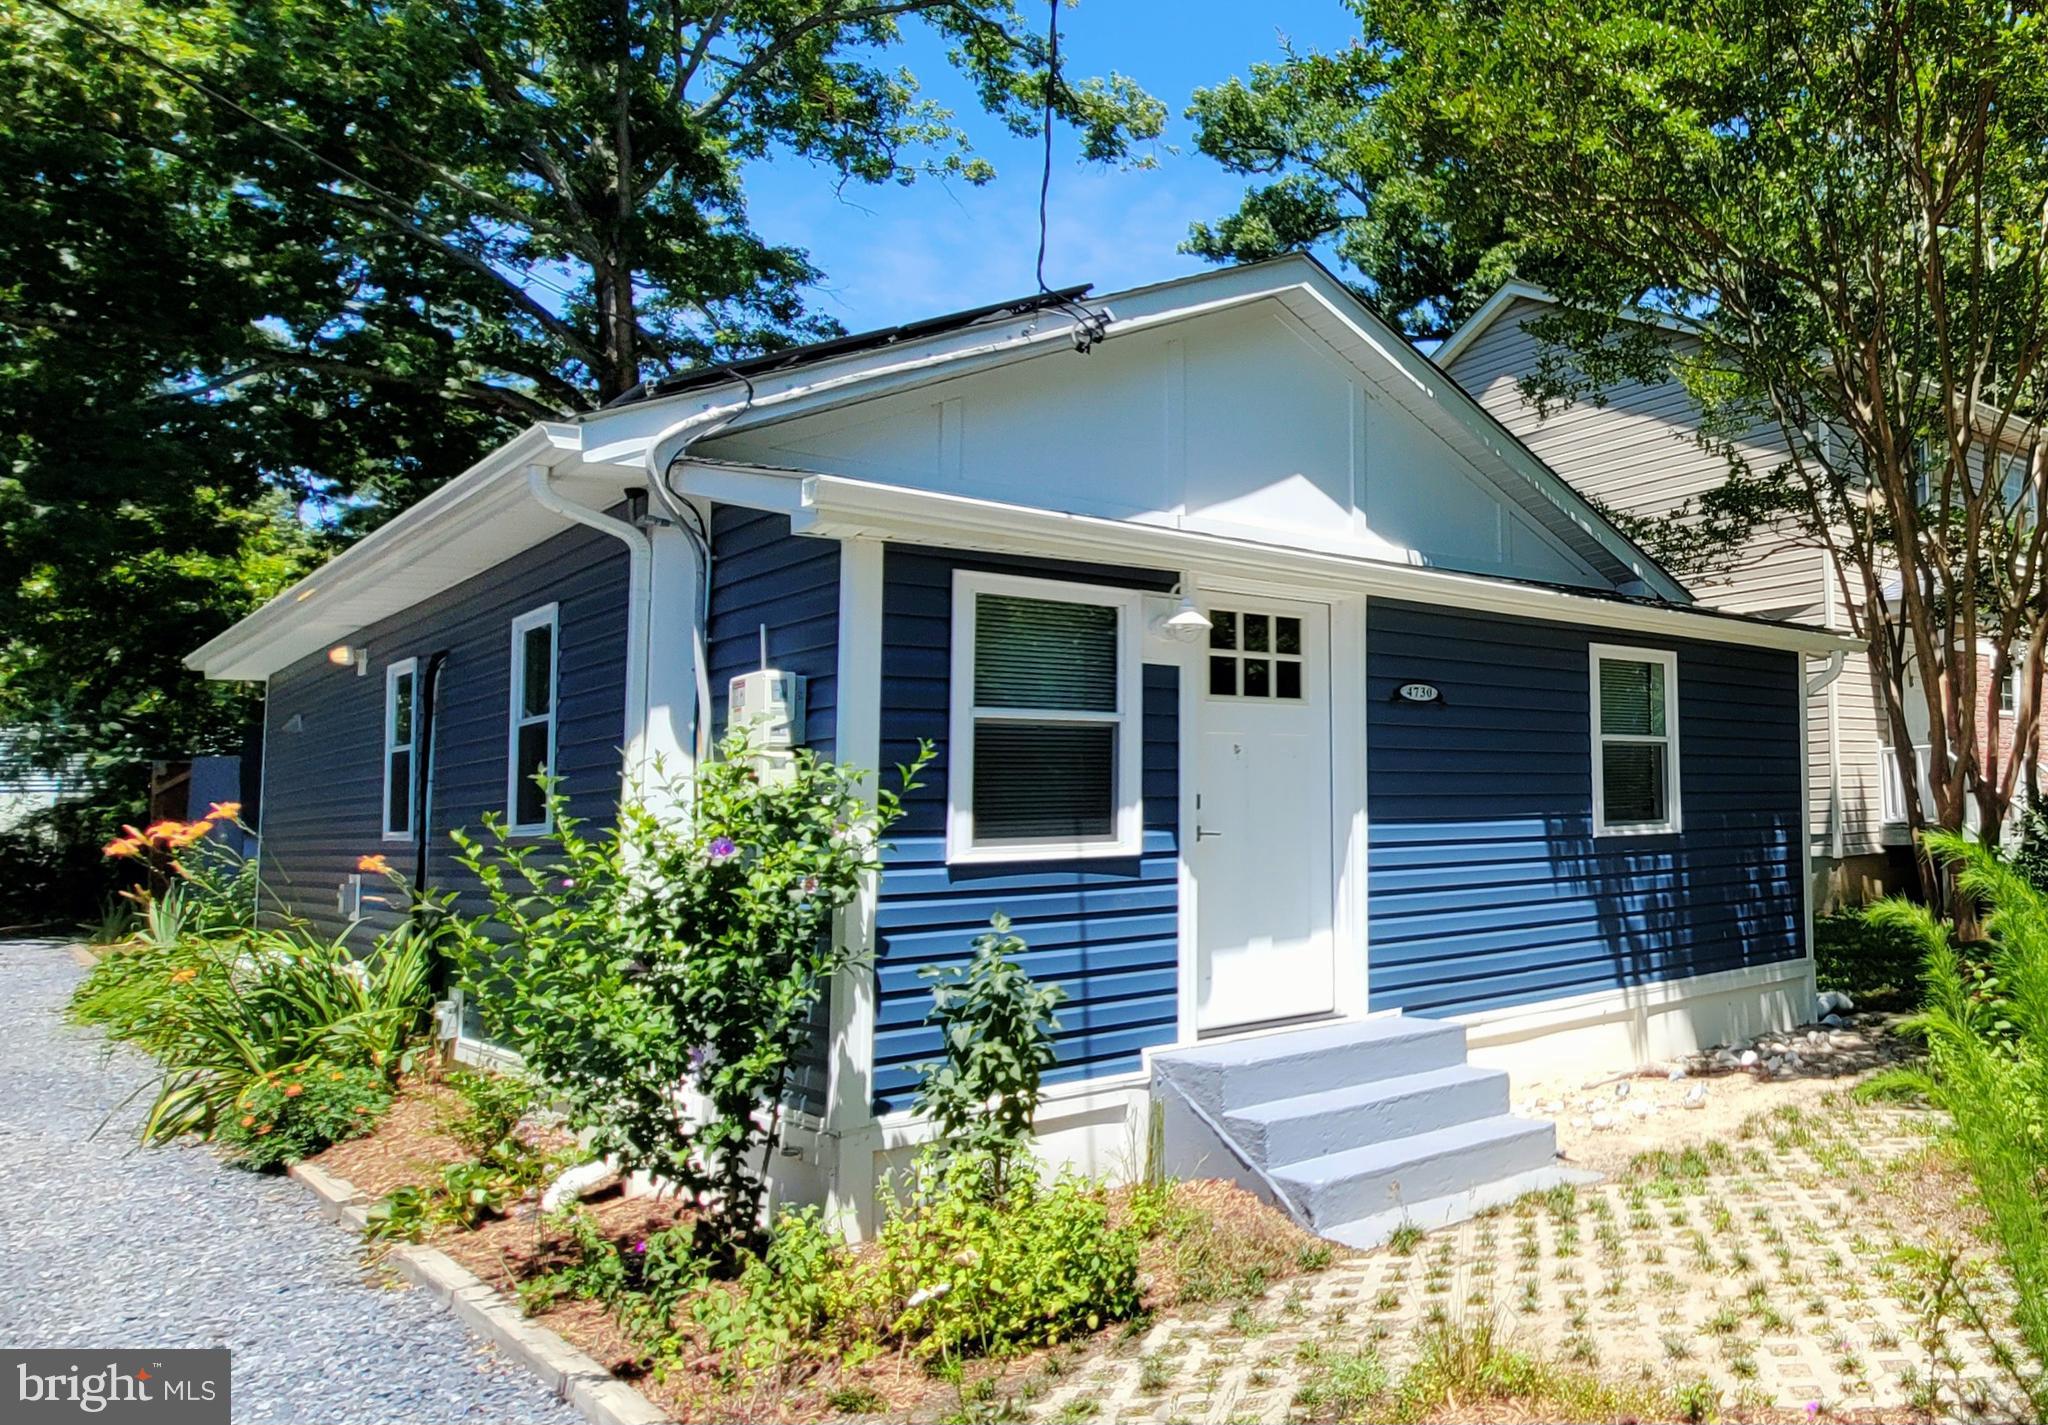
1841, 205
267, 256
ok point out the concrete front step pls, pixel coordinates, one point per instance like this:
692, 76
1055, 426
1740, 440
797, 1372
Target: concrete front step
1238, 1073
1377, 1178
1431, 1213
1311, 1125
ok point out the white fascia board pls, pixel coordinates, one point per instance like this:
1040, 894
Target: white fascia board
836, 507
317, 605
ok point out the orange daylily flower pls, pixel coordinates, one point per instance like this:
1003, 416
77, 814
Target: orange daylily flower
121, 846
224, 811
294, 1090
179, 977
248, 1120
162, 830
374, 864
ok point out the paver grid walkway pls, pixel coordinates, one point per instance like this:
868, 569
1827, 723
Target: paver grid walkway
1772, 1278
106, 1244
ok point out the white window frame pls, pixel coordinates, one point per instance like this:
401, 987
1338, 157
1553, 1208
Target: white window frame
1129, 833
2009, 691
550, 616
404, 667
1674, 821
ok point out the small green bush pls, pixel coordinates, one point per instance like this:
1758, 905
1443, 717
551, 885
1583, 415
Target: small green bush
997, 1025
1873, 962
979, 1276
290, 1114
1987, 1065
488, 1107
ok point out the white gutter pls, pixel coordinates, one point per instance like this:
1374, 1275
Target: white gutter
639, 562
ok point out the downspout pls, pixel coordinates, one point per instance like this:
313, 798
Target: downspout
1820, 680
422, 806
639, 558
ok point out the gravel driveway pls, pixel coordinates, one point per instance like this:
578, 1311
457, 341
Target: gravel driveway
105, 1244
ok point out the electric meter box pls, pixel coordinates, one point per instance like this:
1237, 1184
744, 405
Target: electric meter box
768, 704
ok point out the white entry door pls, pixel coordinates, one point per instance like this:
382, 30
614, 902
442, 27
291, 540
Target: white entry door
1260, 849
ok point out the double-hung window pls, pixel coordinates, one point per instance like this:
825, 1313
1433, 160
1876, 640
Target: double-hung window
531, 750
1046, 739
401, 748
1635, 740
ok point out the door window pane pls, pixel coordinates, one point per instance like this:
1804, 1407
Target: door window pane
531, 803
1223, 677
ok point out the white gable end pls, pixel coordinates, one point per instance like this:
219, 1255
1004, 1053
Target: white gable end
1239, 422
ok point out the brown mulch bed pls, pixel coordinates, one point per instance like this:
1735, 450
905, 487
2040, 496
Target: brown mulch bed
406, 1149
1216, 1234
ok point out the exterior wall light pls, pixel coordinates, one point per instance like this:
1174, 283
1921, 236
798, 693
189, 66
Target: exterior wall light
1186, 624
343, 656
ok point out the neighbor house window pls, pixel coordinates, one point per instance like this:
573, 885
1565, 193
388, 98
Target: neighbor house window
401, 747
2008, 696
1045, 759
1635, 740
532, 747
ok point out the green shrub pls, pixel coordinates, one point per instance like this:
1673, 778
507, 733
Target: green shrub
1987, 1066
997, 1026
666, 953
966, 1274
1873, 962
223, 1015
290, 1114
490, 1106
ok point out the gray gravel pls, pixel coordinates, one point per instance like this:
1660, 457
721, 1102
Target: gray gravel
104, 1244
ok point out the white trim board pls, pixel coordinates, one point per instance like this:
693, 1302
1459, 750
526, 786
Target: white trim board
833, 506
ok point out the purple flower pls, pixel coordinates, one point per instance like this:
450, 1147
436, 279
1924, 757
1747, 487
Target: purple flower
804, 889
720, 850
701, 1058
640, 1247
568, 883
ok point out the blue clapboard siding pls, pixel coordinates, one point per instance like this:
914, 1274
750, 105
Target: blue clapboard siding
324, 782
1105, 931
1487, 886
762, 574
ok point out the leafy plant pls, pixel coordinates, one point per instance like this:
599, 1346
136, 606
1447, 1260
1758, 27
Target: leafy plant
223, 1015
491, 1105
290, 1114
1987, 1066
997, 1025
663, 956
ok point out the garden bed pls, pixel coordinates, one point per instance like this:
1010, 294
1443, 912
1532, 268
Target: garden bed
1212, 1241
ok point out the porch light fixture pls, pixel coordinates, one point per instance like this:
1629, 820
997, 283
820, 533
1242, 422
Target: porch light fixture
1187, 624
343, 656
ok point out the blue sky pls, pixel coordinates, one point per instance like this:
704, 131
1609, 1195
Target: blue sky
895, 254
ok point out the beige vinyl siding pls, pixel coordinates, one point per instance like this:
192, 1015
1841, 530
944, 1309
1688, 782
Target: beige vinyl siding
1637, 453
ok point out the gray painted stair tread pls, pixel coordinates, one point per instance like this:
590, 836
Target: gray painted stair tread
1403, 1153
1441, 1088
1388, 1031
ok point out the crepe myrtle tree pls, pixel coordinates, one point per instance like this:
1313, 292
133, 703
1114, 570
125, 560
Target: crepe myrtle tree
1836, 213
660, 979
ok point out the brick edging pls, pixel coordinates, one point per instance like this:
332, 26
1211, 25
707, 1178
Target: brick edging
572, 1375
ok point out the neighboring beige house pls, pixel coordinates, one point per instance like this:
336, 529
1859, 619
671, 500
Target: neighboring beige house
1637, 453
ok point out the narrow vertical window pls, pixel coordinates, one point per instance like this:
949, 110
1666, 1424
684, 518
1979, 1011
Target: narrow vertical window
532, 743
1635, 740
401, 748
